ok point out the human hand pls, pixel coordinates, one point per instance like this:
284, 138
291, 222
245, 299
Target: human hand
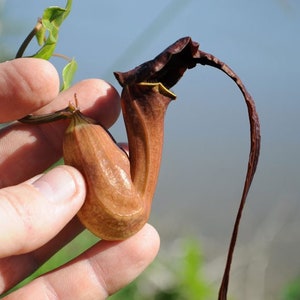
37, 211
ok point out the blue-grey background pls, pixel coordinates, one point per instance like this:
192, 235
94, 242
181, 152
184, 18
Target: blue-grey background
207, 132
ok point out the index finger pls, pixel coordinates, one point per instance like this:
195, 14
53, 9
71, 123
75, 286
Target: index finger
26, 84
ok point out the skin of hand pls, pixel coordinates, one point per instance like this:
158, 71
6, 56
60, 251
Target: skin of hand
37, 211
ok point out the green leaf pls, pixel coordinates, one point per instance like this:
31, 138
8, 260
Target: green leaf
68, 74
41, 36
52, 18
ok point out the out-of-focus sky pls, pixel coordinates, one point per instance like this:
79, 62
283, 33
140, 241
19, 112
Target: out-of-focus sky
207, 134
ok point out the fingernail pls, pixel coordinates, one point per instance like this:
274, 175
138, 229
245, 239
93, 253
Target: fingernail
56, 185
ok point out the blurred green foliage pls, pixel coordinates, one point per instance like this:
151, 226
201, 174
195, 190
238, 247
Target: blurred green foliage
177, 276
292, 290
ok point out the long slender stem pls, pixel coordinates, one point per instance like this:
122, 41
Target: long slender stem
28, 39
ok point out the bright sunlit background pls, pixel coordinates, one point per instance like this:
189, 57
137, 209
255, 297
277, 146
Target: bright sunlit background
207, 132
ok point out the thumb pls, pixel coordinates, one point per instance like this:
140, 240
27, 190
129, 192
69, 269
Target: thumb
33, 212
